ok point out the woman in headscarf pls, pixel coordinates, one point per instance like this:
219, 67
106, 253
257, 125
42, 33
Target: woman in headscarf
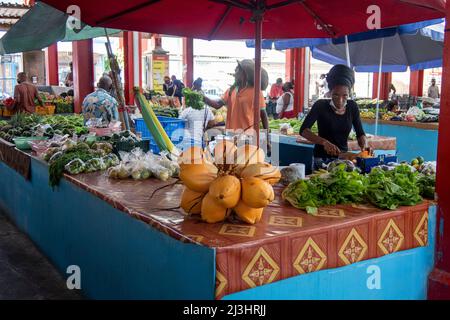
335, 118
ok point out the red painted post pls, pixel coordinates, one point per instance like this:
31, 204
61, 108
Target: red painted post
416, 83
290, 65
51, 65
386, 79
299, 79
188, 61
131, 77
439, 279
128, 66
83, 71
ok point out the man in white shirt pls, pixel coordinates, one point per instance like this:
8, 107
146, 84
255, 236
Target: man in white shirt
433, 90
198, 120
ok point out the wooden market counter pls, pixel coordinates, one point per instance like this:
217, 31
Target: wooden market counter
129, 245
413, 138
418, 125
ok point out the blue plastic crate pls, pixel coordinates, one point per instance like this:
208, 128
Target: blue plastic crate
366, 164
174, 128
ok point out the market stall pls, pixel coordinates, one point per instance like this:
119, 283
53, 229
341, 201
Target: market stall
126, 231
131, 245
289, 147
416, 129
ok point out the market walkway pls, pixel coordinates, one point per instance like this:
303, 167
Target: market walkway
24, 272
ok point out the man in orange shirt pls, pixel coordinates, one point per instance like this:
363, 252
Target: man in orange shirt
239, 99
276, 91
24, 94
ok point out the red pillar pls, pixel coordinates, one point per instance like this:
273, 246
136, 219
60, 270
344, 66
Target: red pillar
386, 79
188, 61
290, 64
131, 79
51, 65
299, 79
439, 279
416, 83
83, 71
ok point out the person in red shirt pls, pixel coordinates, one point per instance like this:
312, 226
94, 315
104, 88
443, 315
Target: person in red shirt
24, 94
276, 91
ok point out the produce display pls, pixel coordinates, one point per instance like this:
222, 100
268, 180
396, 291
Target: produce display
234, 180
288, 126
386, 187
414, 114
165, 111
193, 99
75, 157
220, 115
139, 165
32, 125
371, 103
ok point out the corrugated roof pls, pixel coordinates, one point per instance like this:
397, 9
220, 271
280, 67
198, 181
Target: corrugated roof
10, 13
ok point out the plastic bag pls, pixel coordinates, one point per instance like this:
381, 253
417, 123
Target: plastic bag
75, 166
95, 164
55, 157
111, 160
140, 171
120, 171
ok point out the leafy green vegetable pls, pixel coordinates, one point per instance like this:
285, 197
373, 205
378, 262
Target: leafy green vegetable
193, 99
427, 185
336, 187
390, 189
385, 189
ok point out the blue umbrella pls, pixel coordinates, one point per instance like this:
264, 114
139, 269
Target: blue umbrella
417, 45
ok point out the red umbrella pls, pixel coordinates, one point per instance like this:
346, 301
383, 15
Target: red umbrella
244, 19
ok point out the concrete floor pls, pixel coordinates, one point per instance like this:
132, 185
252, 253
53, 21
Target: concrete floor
25, 273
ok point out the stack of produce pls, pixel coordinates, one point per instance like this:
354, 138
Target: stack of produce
220, 115
141, 166
366, 114
64, 105
67, 155
288, 126
236, 180
386, 187
26, 125
370, 103
169, 112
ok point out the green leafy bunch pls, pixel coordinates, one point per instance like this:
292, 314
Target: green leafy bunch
193, 99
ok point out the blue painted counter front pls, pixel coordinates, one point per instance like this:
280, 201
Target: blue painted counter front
411, 142
123, 258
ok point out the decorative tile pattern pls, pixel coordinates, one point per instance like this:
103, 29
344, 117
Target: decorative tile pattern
421, 231
353, 249
262, 269
311, 258
236, 230
285, 221
330, 213
391, 239
221, 283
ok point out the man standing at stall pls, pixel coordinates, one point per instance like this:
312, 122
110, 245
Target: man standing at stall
99, 104
276, 91
24, 94
239, 100
433, 90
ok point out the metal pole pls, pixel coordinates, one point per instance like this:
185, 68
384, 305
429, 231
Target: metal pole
379, 85
347, 52
257, 85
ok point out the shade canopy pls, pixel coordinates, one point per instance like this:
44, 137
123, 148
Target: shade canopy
43, 26
232, 19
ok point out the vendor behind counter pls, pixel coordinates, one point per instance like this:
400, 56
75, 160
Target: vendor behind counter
335, 118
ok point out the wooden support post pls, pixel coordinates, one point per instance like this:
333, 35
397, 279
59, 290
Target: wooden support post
83, 71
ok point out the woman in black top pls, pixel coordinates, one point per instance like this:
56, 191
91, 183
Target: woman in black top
335, 118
